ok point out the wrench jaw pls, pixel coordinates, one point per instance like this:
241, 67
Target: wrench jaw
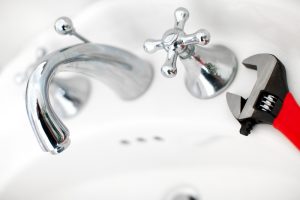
277, 84
236, 104
271, 74
265, 100
247, 126
258, 117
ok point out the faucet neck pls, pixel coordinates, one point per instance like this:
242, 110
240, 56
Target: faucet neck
120, 70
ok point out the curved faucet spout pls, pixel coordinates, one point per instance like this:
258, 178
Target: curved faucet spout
123, 72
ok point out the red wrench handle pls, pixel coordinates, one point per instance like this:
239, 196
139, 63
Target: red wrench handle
288, 120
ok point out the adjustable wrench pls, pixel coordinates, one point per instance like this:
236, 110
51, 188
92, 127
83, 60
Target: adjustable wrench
270, 101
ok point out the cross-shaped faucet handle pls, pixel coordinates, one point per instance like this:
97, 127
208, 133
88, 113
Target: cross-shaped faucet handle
175, 41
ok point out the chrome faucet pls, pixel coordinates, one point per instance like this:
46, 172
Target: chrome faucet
128, 75
68, 95
209, 70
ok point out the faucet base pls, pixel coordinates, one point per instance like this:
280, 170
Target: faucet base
209, 71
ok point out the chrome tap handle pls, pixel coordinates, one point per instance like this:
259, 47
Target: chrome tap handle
169, 68
151, 46
181, 16
64, 26
175, 42
201, 37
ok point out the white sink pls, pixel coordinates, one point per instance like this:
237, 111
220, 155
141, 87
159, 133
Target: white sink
166, 139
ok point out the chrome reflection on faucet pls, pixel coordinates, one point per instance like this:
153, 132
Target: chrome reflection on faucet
209, 70
128, 75
68, 95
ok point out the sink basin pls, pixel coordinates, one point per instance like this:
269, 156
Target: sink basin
166, 139
152, 163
